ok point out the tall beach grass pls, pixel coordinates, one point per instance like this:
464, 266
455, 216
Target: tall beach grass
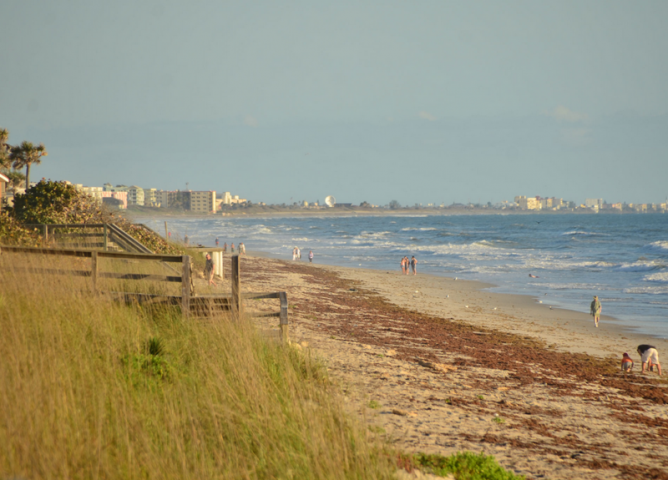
90, 388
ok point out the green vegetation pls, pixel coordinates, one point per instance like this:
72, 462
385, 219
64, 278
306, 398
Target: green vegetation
8, 161
56, 202
51, 202
498, 420
13, 233
464, 466
26, 155
90, 388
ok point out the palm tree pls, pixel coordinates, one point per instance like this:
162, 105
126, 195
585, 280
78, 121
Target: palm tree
16, 178
4, 148
26, 155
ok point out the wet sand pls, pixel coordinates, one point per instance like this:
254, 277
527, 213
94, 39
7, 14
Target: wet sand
432, 366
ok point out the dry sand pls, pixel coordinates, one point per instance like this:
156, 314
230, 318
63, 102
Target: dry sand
439, 365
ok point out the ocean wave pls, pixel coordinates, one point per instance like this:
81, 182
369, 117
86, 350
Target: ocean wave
570, 286
658, 290
420, 229
659, 277
641, 266
560, 264
661, 245
366, 234
573, 233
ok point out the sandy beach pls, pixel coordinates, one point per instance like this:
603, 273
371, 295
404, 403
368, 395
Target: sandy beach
439, 365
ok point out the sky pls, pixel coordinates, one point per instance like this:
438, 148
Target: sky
416, 101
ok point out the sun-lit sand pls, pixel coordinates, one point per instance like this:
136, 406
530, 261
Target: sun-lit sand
441, 365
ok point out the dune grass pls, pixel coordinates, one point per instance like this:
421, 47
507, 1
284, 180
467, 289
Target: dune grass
90, 388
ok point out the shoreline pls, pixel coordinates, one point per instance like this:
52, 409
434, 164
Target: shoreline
346, 212
497, 308
469, 301
469, 379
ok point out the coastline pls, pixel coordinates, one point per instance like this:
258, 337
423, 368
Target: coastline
443, 296
150, 212
467, 300
632, 303
434, 376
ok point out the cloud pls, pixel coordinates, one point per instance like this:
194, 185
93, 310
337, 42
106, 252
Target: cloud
427, 116
250, 121
564, 114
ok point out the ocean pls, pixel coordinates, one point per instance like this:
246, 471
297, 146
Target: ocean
621, 258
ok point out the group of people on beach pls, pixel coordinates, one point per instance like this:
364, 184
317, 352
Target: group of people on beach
241, 247
297, 254
649, 355
407, 265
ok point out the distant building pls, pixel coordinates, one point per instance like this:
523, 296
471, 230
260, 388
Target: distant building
94, 192
135, 195
120, 199
151, 197
531, 203
203, 202
594, 203
229, 199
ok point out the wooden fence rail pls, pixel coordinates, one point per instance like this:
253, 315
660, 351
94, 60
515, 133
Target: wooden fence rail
189, 303
109, 232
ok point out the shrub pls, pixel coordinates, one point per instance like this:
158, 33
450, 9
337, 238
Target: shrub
56, 202
13, 233
465, 466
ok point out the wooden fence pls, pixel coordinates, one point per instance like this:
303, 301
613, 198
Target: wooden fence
92, 235
191, 304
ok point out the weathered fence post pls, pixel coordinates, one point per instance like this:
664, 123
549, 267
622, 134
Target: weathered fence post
219, 263
185, 285
46, 233
94, 270
284, 316
106, 238
236, 287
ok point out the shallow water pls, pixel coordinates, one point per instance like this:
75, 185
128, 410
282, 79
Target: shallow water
621, 258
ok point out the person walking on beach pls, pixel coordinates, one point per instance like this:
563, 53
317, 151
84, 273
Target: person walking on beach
185, 240
242, 249
208, 270
403, 264
414, 265
225, 247
294, 254
310, 256
232, 248
649, 357
627, 363
595, 310
299, 254
217, 242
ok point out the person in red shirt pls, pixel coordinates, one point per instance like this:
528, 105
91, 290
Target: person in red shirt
627, 363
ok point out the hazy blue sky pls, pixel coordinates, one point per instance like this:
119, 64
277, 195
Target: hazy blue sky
418, 101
